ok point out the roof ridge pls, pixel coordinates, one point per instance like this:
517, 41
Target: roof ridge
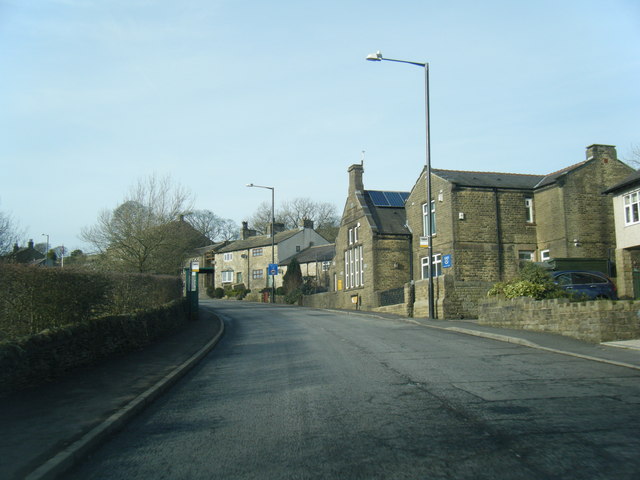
492, 173
566, 169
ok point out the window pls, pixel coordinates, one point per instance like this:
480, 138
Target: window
528, 205
297, 248
227, 276
526, 255
326, 266
436, 266
425, 219
228, 257
355, 233
354, 267
545, 255
239, 277
257, 274
351, 236
256, 252
632, 208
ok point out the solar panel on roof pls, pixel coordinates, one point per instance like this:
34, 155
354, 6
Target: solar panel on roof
388, 199
379, 199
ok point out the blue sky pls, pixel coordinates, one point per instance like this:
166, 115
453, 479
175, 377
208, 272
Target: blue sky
221, 93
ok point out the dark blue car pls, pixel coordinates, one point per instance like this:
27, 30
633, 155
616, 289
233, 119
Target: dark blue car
593, 285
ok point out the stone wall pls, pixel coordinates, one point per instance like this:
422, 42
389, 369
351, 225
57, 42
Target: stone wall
595, 321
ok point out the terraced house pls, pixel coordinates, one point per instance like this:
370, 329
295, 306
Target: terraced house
245, 261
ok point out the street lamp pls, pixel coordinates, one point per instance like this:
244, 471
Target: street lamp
46, 253
377, 57
273, 234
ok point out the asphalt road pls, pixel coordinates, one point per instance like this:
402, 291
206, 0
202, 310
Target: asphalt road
310, 394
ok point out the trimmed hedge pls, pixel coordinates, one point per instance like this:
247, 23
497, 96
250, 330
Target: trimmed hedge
33, 299
53, 352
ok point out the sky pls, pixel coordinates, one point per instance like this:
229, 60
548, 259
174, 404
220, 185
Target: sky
216, 94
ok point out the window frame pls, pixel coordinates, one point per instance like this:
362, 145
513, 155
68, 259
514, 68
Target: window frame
545, 255
528, 205
257, 252
227, 257
631, 208
257, 274
227, 276
436, 266
433, 219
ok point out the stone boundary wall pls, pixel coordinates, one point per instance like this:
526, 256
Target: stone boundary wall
594, 321
49, 354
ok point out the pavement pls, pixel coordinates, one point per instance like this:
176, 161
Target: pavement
49, 428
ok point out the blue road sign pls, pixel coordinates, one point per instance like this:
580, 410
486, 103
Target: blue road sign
273, 269
447, 262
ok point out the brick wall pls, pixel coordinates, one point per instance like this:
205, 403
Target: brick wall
596, 321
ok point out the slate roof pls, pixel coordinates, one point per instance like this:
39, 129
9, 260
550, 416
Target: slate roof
555, 176
389, 220
315, 253
631, 180
489, 179
258, 241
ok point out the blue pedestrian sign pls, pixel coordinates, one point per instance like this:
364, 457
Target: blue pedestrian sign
273, 269
446, 261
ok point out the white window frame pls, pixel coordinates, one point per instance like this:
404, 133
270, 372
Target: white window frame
631, 202
355, 233
530, 255
347, 285
436, 266
351, 236
354, 267
528, 205
545, 255
425, 233
227, 276
227, 257
361, 265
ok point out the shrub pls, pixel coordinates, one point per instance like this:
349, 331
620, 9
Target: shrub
219, 292
533, 281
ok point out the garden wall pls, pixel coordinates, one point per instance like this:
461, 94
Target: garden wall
594, 321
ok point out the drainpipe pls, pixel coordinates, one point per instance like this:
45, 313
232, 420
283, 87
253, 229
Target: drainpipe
498, 236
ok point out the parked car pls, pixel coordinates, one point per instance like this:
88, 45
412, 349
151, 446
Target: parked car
594, 285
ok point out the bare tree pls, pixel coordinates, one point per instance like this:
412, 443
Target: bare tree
634, 156
212, 226
293, 212
9, 233
145, 232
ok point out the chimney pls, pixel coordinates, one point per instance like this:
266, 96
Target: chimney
355, 178
30, 243
277, 228
246, 232
602, 152
15, 247
306, 223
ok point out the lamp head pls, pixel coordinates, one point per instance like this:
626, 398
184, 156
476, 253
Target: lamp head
249, 184
375, 57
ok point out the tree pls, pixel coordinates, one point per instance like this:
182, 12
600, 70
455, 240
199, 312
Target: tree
292, 213
9, 233
634, 156
145, 232
212, 226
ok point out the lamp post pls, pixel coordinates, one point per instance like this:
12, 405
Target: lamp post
46, 252
377, 57
273, 234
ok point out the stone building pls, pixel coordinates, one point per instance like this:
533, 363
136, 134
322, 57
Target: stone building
246, 261
626, 208
315, 263
372, 245
487, 223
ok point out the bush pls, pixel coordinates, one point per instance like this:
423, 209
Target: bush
533, 281
33, 299
219, 292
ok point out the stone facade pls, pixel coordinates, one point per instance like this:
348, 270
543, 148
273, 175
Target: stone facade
372, 247
489, 222
246, 261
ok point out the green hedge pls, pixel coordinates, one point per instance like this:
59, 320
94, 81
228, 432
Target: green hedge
33, 299
53, 352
